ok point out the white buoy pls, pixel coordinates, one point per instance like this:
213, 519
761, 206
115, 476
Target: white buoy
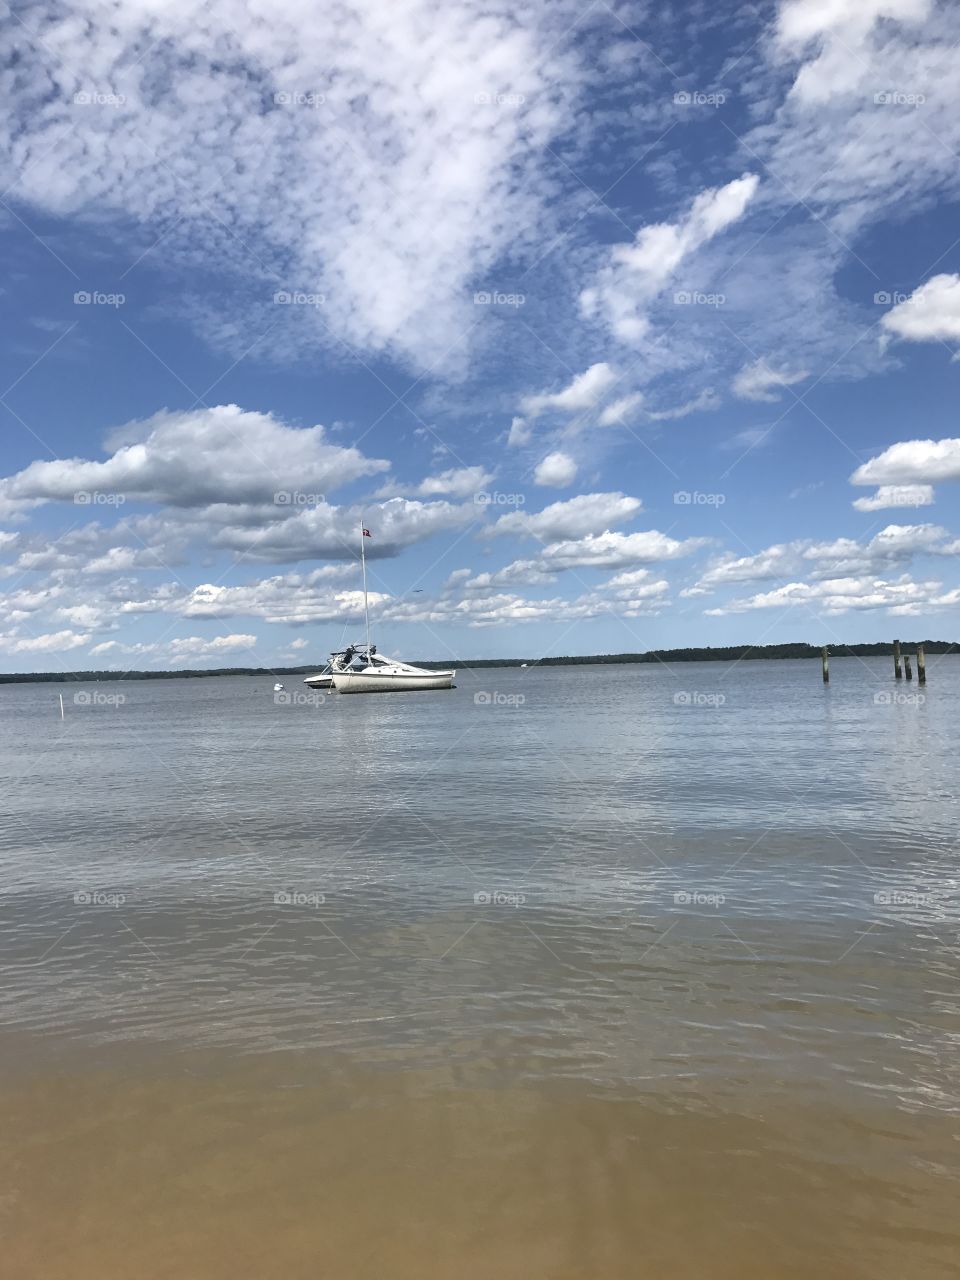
61, 706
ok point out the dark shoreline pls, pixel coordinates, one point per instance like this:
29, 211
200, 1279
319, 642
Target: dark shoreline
725, 653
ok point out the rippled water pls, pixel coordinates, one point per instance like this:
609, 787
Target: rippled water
568, 972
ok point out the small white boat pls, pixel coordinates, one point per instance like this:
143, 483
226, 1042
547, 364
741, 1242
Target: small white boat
360, 669
278, 687
376, 673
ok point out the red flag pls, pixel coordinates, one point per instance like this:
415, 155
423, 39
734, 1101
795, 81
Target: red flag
367, 533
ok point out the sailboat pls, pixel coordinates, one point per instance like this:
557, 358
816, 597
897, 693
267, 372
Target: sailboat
360, 669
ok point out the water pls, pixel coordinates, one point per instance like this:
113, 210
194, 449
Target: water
570, 972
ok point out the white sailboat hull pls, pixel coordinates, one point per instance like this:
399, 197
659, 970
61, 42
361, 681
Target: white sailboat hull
380, 681
323, 680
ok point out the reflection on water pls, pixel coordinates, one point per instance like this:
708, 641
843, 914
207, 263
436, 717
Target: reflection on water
614, 971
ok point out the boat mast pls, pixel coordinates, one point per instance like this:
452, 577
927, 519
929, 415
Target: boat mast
366, 608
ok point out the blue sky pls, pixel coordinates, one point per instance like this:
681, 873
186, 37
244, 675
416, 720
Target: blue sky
620, 327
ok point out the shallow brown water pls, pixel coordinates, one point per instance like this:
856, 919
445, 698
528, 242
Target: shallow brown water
255, 1171
709, 1029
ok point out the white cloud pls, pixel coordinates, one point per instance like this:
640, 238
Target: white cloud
91, 617
893, 546
587, 513
749, 438
773, 562
187, 650
896, 495
461, 482
837, 595
361, 153
504, 609
582, 393
801, 21
329, 533
636, 273
203, 456
520, 433
866, 121
912, 462
707, 399
295, 599
200, 647
556, 470
893, 543
53, 642
631, 578
123, 559
526, 573
758, 381
618, 550
896, 544
930, 314
620, 410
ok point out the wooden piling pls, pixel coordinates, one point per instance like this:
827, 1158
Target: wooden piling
921, 665
825, 660
898, 674
908, 670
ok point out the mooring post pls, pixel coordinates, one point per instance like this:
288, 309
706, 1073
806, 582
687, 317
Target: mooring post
908, 670
898, 674
825, 659
921, 665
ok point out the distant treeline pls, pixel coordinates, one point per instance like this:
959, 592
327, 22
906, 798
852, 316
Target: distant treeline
724, 653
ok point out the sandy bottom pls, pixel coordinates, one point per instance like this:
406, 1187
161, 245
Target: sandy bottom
271, 1172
